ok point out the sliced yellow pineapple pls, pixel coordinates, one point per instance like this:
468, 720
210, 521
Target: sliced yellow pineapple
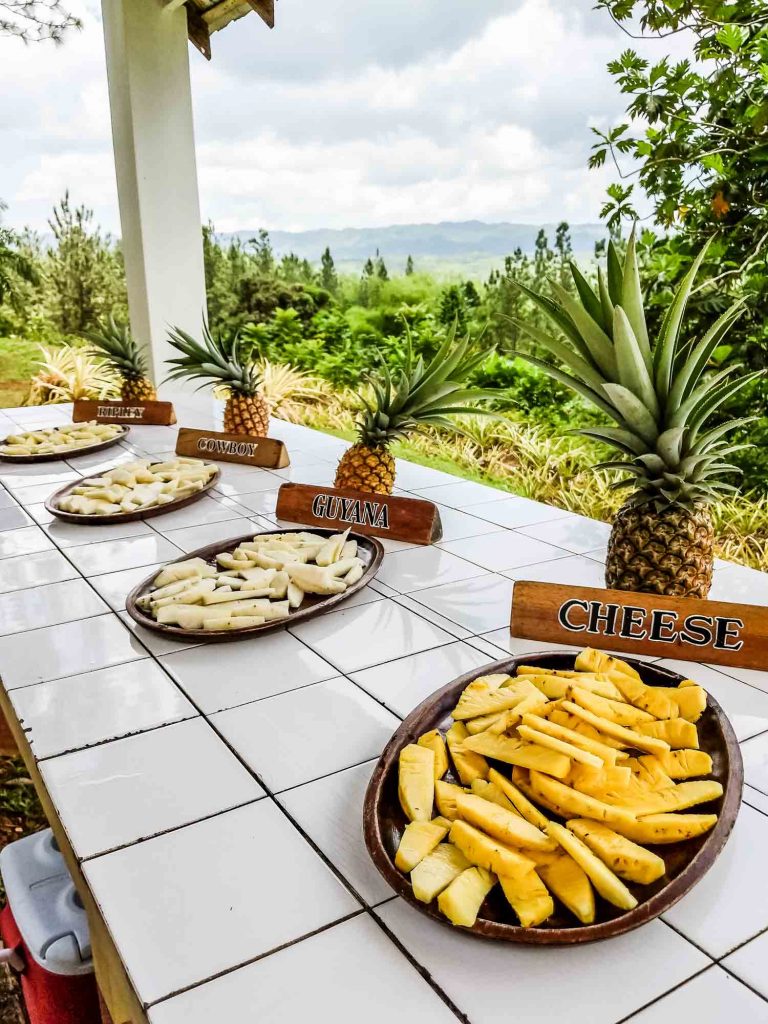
488, 853
434, 741
445, 798
676, 798
416, 782
490, 791
555, 686
442, 822
682, 764
570, 883
612, 710
691, 699
485, 701
604, 880
595, 781
570, 803
591, 660
658, 829
675, 732
512, 751
500, 824
549, 742
629, 737
529, 898
609, 755
469, 765
437, 870
648, 698
462, 900
648, 770
522, 804
419, 839
628, 860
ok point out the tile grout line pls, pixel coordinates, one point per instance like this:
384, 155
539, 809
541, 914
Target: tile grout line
667, 992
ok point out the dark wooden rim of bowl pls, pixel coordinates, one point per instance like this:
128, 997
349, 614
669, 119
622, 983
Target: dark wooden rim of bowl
125, 517
72, 453
318, 606
436, 707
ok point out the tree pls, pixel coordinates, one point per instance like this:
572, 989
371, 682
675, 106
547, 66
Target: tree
16, 267
696, 142
262, 252
381, 267
409, 266
83, 270
34, 21
328, 277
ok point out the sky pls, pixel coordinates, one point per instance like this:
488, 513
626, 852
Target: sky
348, 114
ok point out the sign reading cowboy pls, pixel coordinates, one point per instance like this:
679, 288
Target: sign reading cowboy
213, 444
382, 515
671, 627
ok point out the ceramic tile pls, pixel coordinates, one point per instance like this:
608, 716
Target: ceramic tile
515, 645
479, 605
36, 493
320, 961
710, 998
194, 537
23, 541
457, 525
14, 518
155, 643
330, 811
29, 474
457, 631
154, 439
40, 514
574, 533
322, 474
65, 650
236, 480
461, 494
304, 734
422, 567
730, 903
748, 963
260, 502
67, 714
752, 676
256, 669
745, 706
47, 606
503, 550
257, 896
6, 499
580, 984
34, 570
355, 638
201, 512
741, 584
755, 754
576, 570
756, 799
514, 511
134, 788
113, 555
115, 587
403, 684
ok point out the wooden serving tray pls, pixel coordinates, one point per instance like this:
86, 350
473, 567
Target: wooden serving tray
384, 821
71, 454
370, 550
123, 517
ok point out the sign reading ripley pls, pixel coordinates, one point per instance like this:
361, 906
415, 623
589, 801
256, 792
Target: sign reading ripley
153, 413
213, 444
669, 627
381, 515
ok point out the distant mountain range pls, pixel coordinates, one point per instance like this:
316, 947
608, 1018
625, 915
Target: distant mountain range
459, 244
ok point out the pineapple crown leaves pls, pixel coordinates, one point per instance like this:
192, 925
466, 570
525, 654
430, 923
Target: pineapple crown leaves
214, 360
419, 394
660, 396
116, 344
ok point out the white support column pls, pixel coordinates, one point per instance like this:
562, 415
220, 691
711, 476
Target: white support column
154, 145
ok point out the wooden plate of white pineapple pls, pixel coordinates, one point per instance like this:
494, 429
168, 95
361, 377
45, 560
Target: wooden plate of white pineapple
133, 490
48, 444
254, 584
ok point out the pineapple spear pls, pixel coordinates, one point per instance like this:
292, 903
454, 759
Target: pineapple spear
660, 398
406, 400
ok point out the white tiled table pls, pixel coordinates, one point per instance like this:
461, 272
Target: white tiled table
212, 793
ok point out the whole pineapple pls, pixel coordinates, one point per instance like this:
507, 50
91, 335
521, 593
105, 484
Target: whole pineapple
402, 401
122, 354
660, 397
217, 361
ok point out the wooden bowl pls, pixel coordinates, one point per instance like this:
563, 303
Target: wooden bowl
370, 550
70, 454
123, 517
686, 862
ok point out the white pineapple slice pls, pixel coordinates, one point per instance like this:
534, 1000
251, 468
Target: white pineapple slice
295, 595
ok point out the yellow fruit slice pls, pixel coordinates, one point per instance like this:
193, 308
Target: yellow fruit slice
490, 791
604, 880
529, 898
488, 853
503, 825
550, 742
658, 829
626, 736
612, 710
469, 765
416, 782
570, 803
571, 885
675, 732
682, 764
628, 860
527, 755
522, 804
445, 798
462, 900
437, 871
676, 798
608, 755
419, 839
434, 741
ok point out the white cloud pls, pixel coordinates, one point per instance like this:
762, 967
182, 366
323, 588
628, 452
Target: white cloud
347, 114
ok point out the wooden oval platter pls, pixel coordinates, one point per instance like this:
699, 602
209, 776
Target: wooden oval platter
51, 504
71, 453
369, 550
686, 862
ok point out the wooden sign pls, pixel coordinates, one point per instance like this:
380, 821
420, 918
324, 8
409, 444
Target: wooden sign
252, 451
716, 632
380, 515
160, 414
